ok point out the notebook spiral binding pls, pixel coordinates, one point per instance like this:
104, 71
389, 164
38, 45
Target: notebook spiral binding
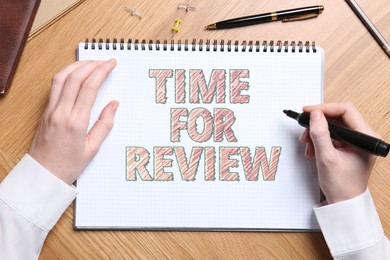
250, 46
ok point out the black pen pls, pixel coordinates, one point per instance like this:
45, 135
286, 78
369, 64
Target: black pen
285, 16
345, 135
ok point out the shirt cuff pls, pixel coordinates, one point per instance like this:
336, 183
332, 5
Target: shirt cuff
350, 225
36, 194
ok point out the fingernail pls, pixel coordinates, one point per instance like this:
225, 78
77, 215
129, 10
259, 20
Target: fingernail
112, 61
301, 137
307, 151
306, 108
115, 106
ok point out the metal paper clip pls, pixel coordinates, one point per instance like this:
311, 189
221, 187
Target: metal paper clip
134, 11
186, 7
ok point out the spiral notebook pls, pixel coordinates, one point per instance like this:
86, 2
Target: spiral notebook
200, 141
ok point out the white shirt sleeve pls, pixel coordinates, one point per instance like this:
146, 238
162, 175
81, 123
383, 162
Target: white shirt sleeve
352, 229
31, 201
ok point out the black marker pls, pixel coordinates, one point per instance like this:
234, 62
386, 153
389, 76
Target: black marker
365, 142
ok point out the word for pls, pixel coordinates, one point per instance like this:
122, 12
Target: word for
138, 159
219, 124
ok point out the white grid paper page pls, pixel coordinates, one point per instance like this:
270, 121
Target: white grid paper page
277, 81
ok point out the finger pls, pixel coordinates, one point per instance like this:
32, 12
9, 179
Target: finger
309, 150
338, 144
58, 82
102, 127
72, 85
349, 114
305, 137
320, 136
90, 87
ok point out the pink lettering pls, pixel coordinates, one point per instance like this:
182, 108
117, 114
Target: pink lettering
224, 119
137, 159
207, 125
188, 170
161, 82
180, 86
226, 162
251, 168
176, 124
160, 163
198, 86
209, 164
236, 86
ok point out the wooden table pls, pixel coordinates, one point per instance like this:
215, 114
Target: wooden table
356, 70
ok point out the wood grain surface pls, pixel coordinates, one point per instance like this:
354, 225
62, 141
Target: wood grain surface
356, 70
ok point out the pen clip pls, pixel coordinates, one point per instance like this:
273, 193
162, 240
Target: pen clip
301, 17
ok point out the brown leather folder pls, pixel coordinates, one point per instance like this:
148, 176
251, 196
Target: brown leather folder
16, 18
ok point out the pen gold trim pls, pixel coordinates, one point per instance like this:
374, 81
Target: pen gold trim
211, 26
274, 16
300, 18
